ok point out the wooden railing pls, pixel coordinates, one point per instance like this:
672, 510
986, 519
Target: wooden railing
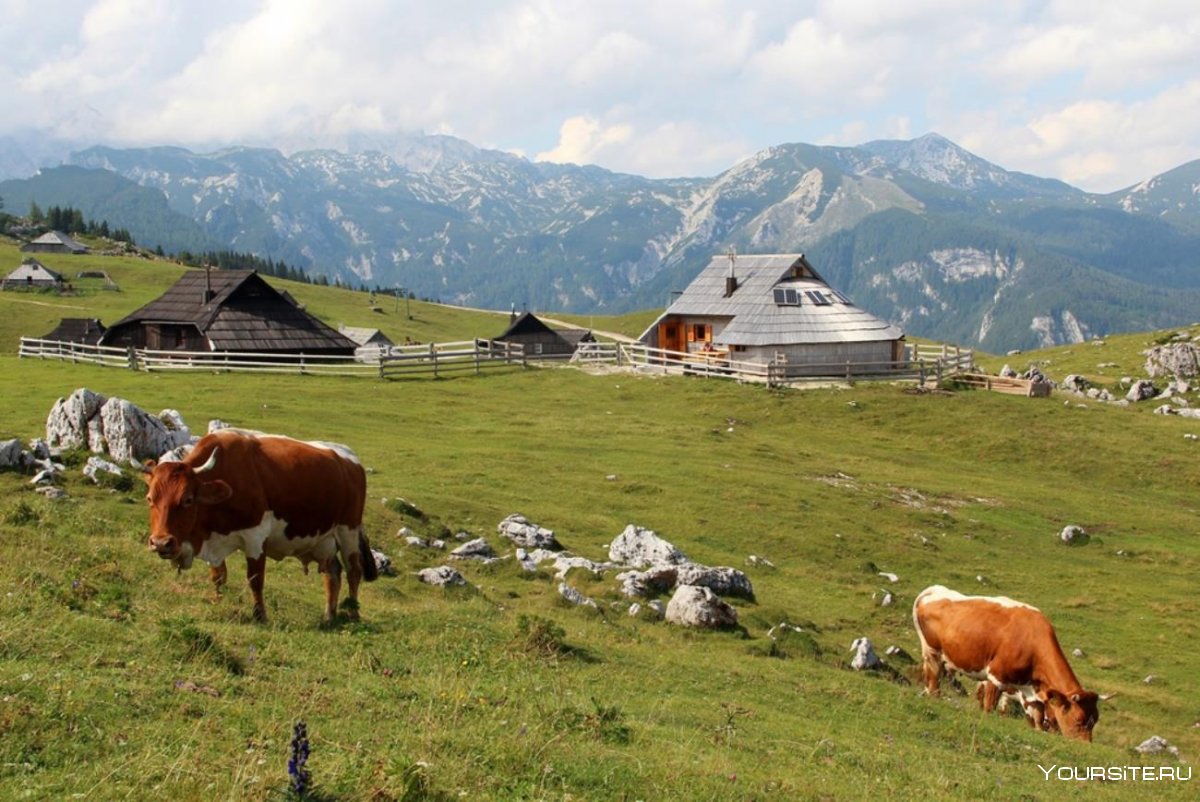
439, 359
923, 363
435, 359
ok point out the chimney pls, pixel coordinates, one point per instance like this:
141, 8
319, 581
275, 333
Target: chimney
208, 290
731, 280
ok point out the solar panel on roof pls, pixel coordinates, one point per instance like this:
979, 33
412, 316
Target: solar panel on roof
779, 297
842, 298
791, 297
817, 298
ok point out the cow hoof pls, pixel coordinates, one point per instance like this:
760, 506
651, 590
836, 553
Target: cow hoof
350, 608
260, 615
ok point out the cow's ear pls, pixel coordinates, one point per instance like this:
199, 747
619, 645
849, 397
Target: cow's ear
214, 492
1057, 699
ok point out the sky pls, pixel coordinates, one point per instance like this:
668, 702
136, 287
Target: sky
1096, 93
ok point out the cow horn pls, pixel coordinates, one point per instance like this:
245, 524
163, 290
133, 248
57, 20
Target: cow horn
144, 467
212, 461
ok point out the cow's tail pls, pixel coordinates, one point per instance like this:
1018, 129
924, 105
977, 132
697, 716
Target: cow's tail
370, 569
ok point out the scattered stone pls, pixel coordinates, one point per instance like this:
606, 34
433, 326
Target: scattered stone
1077, 652
383, 563
11, 454
1174, 359
887, 599
1013, 352
477, 549
763, 562
96, 465
216, 424
1075, 383
864, 658
693, 606
404, 531
612, 477
896, 653
1155, 745
437, 544
1191, 437
782, 628
1073, 535
1007, 372
67, 424
51, 492
441, 576
418, 542
519, 530
574, 596
890, 577
462, 536
1141, 390
45, 476
1150, 679
638, 547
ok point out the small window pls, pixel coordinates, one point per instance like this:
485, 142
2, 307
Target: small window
700, 332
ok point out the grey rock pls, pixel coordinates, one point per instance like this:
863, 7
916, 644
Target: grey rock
638, 547
864, 658
418, 542
51, 492
97, 465
721, 580
1173, 359
477, 549
1075, 383
1155, 745
521, 531
1007, 372
67, 423
1141, 390
1073, 535
693, 606
11, 452
383, 563
441, 576
574, 596
762, 562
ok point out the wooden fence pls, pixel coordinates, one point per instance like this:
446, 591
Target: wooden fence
922, 363
436, 359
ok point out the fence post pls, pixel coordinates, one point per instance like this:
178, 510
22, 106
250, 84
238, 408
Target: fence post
301, 364
921, 371
433, 356
939, 372
132, 358
848, 370
476, 356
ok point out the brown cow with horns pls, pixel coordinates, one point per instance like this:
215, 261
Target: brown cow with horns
1008, 644
268, 496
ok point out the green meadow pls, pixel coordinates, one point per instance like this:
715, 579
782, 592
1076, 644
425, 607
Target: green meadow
121, 679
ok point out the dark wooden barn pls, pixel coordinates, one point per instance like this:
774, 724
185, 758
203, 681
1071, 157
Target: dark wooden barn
540, 339
86, 330
54, 242
227, 311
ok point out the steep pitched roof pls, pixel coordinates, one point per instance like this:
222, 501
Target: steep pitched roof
77, 330
365, 336
58, 239
242, 313
756, 319
32, 270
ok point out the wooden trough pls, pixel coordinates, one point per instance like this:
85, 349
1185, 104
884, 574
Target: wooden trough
1003, 384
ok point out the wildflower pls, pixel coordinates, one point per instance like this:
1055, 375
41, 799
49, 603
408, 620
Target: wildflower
298, 775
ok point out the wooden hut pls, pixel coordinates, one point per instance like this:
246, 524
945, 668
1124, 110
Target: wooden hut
226, 311
372, 343
86, 330
773, 309
32, 275
54, 242
541, 340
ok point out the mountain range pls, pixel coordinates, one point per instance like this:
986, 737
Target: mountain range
920, 232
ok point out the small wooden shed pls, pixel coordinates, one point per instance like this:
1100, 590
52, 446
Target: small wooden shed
33, 275
54, 242
227, 311
372, 343
540, 339
86, 330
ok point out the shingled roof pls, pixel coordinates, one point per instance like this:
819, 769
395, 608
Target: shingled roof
237, 310
754, 316
86, 330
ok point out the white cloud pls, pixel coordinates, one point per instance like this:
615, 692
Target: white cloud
1080, 90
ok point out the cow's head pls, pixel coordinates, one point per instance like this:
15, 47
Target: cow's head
1076, 714
177, 495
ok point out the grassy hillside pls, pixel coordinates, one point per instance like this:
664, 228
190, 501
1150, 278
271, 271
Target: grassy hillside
142, 280
121, 679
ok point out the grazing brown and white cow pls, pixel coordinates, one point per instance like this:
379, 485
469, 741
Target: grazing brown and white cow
267, 496
1010, 645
